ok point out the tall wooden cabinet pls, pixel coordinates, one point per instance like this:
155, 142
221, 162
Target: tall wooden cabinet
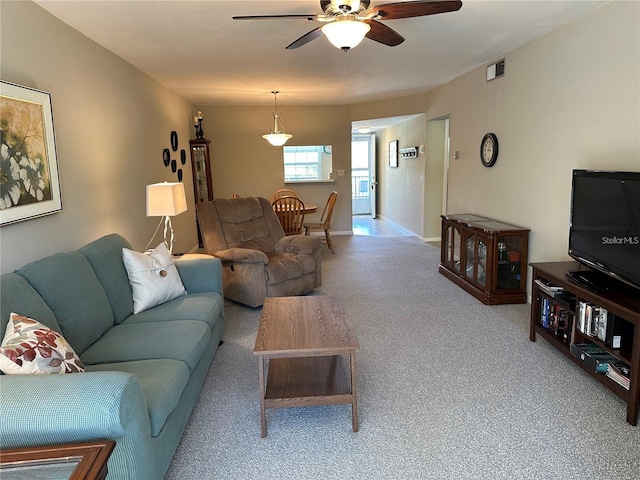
201, 169
485, 257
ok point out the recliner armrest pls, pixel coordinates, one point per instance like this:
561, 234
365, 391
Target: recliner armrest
298, 244
242, 255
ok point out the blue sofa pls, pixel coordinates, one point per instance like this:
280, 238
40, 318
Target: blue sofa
144, 371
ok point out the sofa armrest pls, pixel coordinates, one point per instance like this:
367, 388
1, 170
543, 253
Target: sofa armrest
242, 255
200, 273
298, 244
56, 409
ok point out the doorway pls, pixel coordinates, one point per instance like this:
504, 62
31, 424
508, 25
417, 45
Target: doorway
363, 175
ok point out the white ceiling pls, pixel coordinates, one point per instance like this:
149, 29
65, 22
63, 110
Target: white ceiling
197, 50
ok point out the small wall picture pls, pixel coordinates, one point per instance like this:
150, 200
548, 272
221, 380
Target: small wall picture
393, 153
30, 185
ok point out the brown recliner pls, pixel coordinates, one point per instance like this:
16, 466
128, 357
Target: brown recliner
258, 260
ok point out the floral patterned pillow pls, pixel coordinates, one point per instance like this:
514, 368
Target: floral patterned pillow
31, 347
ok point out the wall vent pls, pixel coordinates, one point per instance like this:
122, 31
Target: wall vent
495, 70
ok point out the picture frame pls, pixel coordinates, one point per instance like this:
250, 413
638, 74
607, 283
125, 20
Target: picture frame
27, 155
393, 154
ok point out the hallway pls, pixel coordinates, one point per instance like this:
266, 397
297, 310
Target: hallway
366, 225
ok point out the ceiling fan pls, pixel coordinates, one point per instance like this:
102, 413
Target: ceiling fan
347, 22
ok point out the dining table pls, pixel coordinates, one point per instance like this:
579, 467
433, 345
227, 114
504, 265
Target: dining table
308, 208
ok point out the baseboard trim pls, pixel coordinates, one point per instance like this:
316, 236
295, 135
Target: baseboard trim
400, 227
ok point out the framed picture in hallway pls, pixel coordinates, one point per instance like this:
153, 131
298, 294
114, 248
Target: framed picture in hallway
30, 184
393, 153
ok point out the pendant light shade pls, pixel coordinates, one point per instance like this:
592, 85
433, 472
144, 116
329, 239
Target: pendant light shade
345, 32
277, 137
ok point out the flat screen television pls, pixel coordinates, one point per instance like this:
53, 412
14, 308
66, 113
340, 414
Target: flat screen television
604, 232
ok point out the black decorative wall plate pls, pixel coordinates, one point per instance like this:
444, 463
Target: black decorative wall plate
174, 141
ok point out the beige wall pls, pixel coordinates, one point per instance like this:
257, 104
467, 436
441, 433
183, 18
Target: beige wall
570, 99
401, 190
244, 163
435, 163
111, 125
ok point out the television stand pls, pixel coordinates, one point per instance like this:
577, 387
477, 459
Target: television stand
559, 321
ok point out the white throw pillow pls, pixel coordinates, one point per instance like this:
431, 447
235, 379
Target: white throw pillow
153, 276
31, 347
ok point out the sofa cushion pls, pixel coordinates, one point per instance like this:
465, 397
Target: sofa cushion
105, 257
178, 339
31, 347
153, 276
71, 288
204, 307
16, 295
162, 380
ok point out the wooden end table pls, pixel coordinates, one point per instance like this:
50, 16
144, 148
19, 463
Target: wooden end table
78, 461
311, 353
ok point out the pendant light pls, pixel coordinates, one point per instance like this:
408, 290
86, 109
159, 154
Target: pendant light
277, 137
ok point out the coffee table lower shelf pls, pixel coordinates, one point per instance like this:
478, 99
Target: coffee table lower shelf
310, 381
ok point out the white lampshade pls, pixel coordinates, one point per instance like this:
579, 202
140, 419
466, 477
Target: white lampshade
277, 139
166, 199
345, 33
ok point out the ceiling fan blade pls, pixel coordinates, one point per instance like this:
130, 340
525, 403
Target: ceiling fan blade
306, 38
381, 33
310, 17
393, 11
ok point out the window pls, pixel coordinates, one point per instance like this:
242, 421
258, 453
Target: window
307, 163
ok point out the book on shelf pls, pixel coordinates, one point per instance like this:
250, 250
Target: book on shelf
620, 373
555, 318
601, 323
592, 320
544, 313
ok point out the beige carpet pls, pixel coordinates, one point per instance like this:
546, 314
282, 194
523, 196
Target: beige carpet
448, 389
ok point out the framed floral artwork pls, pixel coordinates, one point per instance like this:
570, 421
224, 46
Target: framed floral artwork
29, 181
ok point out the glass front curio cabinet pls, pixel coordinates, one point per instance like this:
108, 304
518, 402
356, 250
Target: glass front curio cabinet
201, 169
485, 257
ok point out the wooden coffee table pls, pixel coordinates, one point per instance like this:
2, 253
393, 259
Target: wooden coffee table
311, 353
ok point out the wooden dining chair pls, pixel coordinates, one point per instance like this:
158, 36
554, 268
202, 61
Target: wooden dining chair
290, 212
325, 220
283, 192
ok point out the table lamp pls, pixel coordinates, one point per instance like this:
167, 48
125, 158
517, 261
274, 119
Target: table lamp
165, 200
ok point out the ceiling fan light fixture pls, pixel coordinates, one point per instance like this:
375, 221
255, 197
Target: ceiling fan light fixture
345, 33
278, 136
345, 5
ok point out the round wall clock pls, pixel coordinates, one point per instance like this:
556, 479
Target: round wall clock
489, 149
